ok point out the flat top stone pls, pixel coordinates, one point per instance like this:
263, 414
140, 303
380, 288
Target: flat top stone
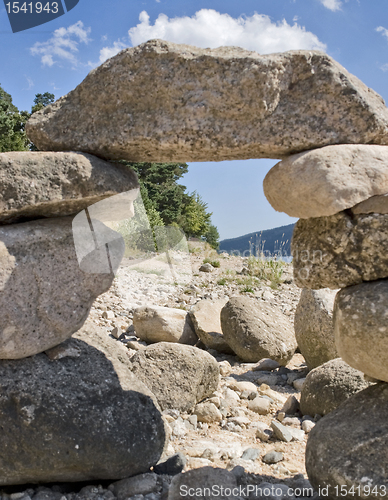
47, 184
161, 101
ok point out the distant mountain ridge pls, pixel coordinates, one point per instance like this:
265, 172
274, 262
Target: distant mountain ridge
271, 242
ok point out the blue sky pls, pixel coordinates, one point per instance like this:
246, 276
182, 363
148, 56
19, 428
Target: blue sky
56, 57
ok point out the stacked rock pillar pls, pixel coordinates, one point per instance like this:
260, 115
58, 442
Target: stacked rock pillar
341, 241
69, 407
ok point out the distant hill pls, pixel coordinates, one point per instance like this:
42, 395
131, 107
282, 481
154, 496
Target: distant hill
271, 242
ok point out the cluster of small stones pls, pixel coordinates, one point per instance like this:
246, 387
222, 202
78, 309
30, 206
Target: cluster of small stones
166, 102
340, 194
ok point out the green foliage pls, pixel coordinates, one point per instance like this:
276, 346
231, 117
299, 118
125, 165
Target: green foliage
212, 236
42, 100
214, 263
195, 219
266, 269
159, 183
160, 180
12, 123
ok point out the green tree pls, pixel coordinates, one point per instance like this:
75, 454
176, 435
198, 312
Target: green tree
160, 180
195, 219
167, 200
212, 236
42, 100
12, 124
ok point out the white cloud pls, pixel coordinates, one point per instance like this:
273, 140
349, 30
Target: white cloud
332, 4
383, 31
30, 82
63, 45
209, 28
107, 52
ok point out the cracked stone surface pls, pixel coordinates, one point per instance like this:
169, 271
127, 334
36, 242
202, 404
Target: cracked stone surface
162, 101
340, 250
360, 327
44, 295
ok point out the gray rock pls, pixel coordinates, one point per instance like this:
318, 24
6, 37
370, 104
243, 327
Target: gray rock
250, 454
308, 426
263, 432
349, 447
205, 316
281, 432
266, 364
136, 485
172, 466
340, 250
273, 457
179, 375
69, 416
46, 184
255, 330
291, 406
328, 180
205, 478
163, 324
360, 322
206, 268
375, 205
314, 330
207, 412
297, 434
168, 102
328, 385
299, 383
260, 405
45, 297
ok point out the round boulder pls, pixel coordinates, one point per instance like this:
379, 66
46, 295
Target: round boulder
205, 316
313, 324
255, 330
73, 415
179, 375
328, 385
360, 327
347, 451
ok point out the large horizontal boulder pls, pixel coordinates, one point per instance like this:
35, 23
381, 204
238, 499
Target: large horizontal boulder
255, 330
329, 385
375, 205
326, 181
163, 324
45, 296
347, 451
313, 323
179, 375
361, 327
41, 184
77, 416
206, 319
340, 250
162, 101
